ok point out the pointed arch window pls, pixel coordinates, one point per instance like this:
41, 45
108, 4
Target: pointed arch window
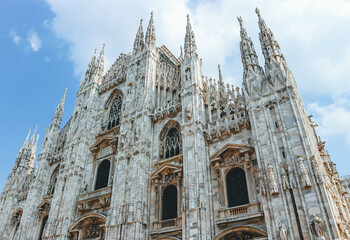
53, 181
43, 224
173, 144
115, 112
237, 193
102, 175
169, 203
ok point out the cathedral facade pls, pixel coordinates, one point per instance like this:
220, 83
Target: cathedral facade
155, 150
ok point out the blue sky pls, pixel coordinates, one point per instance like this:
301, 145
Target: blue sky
46, 46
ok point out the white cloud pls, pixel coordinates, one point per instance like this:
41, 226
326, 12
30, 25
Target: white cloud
313, 36
14, 36
34, 41
312, 33
333, 118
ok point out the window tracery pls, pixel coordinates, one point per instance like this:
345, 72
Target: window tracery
53, 181
173, 144
115, 112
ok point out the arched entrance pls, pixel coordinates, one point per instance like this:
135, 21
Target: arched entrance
241, 232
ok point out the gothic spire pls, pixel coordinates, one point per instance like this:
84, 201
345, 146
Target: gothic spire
249, 57
220, 75
270, 47
57, 118
101, 60
190, 42
93, 60
150, 34
139, 42
27, 138
33, 136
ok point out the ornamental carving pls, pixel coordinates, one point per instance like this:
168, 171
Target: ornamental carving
92, 231
317, 170
316, 227
305, 179
272, 180
282, 231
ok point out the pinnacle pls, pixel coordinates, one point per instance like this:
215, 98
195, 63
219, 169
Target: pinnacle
139, 41
150, 34
190, 42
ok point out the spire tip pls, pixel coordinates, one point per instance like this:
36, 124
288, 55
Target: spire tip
257, 12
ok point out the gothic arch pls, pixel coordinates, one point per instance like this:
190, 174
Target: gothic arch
53, 181
113, 109
116, 92
102, 174
95, 221
170, 140
167, 126
240, 230
236, 187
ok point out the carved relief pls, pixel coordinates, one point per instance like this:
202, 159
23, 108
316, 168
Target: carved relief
192, 197
282, 231
188, 111
272, 180
202, 196
92, 231
285, 181
305, 179
316, 227
317, 170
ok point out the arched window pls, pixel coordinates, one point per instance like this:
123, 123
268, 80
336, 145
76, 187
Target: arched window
169, 202
102, 175
173, 144
115, 112
43, 223
53, 181
237, 193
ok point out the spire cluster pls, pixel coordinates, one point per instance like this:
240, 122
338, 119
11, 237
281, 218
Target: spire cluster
29, 144
149, 40
95, 66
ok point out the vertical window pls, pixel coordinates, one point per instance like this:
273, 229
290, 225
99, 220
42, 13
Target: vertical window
53, 181
169, 202
173, 145
102, 175
43, 224
237, 193
115, 112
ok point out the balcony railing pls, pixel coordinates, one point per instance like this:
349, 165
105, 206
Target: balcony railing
239, 213
169, 225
